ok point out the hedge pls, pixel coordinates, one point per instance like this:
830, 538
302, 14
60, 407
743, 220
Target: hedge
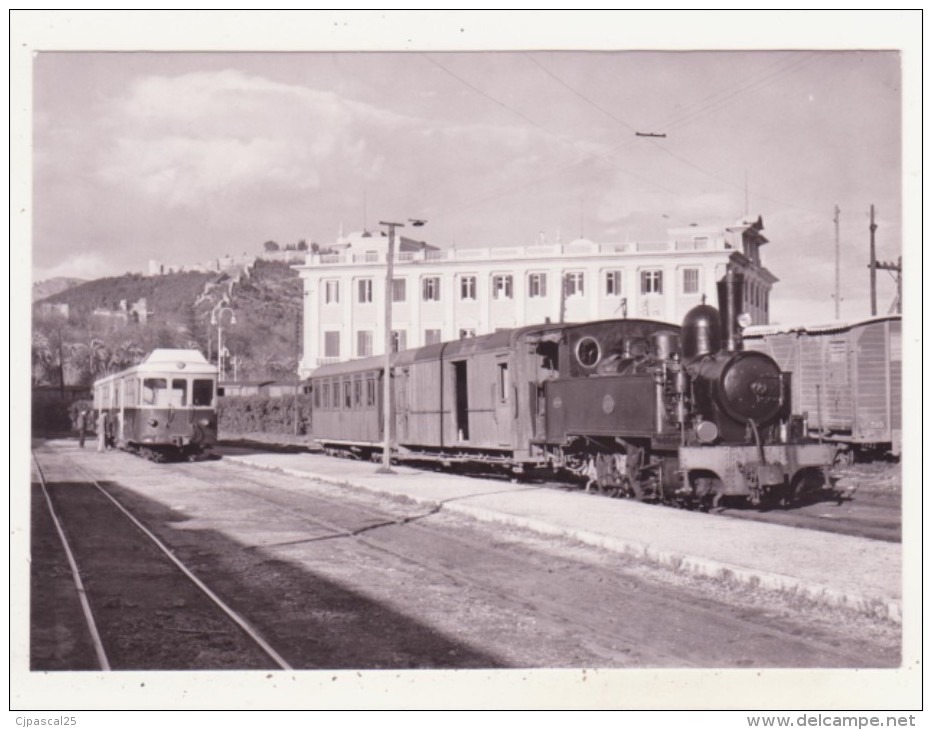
261, 414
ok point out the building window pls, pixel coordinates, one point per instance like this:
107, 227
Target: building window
467, 287
652, 281
613, 283
399, 340
466, 333
331, 344
363, 343
431, 288
537, 286
332, 292
431, 337
573, 283
690, 281
502, 286
399, 290
365, 291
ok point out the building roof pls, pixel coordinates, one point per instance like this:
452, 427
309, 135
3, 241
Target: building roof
766, 330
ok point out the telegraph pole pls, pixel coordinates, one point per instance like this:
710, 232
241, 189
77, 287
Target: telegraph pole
837, 268
387, 414
873, 266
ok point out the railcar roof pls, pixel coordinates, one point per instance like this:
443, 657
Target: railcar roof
765, 330
501, 339
165, 360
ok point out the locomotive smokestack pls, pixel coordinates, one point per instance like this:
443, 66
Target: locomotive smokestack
730, 297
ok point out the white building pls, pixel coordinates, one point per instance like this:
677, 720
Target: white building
447, 294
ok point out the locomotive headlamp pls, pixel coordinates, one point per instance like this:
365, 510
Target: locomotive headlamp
153, 422
745, 320
706, 431
205, 422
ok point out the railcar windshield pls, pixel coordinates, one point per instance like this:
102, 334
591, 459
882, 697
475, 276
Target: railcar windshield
179, 393
202, 393
156, 392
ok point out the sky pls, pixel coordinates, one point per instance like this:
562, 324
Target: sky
183, 157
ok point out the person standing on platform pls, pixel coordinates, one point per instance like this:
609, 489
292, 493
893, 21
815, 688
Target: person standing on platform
82, 427
103, 425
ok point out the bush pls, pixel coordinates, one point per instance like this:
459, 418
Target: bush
261, 414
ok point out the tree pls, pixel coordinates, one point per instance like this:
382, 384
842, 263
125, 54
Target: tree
271, 246
302, 245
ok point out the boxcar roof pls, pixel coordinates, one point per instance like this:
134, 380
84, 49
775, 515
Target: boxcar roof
766, 330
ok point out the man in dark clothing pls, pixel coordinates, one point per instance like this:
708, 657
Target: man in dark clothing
82, 427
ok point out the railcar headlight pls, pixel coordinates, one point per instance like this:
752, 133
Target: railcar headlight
153, 422
744, 320
205, 422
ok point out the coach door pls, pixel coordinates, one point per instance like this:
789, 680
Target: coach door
503, 401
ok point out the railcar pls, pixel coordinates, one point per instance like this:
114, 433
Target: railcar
847, 378
163, 408
642, 408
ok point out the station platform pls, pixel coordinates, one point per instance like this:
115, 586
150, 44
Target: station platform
830, 569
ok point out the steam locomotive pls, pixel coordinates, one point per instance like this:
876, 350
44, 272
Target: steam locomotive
642, 408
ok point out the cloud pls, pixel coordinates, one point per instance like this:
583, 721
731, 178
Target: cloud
85, 265
181, 140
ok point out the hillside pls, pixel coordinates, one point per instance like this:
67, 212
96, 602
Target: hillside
43, 289
266, 299
168, 297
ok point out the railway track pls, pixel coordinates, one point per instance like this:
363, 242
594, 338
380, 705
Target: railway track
147, 612
365, 571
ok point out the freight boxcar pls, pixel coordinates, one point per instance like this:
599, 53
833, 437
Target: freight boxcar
847, 376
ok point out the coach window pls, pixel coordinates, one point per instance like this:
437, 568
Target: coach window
335, 402
370, 391
347, 394
357, 393
202, 392
504, 382
325, 395
316, 391
153, 391
132, 391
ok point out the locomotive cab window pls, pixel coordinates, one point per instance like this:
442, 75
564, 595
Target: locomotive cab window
588, 352
202, 393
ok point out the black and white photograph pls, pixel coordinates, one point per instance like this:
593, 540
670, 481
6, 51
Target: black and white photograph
466, 360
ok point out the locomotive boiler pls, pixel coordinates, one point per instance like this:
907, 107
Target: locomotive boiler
641, 408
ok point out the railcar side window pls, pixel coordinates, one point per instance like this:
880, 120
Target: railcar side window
179, 394
154, 391
202, 392
357, 393
325, 387
347, 394
370, 392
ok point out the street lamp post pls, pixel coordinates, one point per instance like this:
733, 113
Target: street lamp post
387, 414
216, 319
